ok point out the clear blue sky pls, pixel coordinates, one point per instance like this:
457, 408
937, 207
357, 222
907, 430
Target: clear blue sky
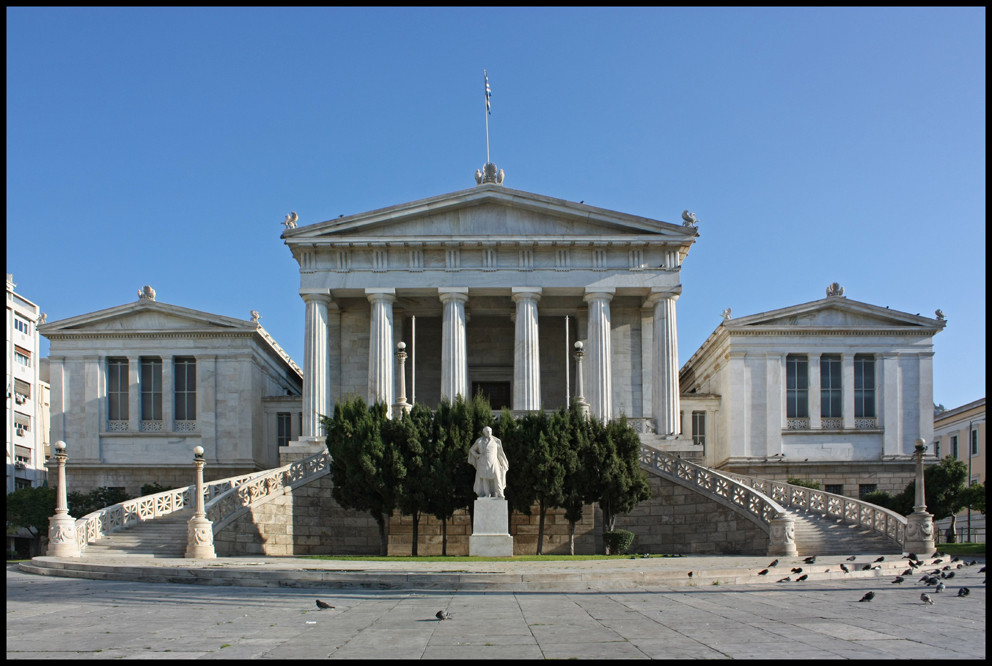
165, 146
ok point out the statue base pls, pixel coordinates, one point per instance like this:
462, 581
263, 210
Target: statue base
200, 539
490, 536
62, 536
920, 537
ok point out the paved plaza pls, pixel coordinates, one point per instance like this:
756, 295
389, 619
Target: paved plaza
65, 618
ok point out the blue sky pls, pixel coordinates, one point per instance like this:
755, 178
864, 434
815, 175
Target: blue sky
815, 145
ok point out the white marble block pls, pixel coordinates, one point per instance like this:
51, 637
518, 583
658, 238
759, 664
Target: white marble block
489, 529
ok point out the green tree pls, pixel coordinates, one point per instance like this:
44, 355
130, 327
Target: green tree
621, 483
366, 472
30, 508
577, 484
82, 504
944, 487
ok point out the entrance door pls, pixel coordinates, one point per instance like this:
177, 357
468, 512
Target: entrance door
498, 393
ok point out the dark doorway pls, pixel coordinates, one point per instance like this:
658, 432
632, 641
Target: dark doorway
498, 393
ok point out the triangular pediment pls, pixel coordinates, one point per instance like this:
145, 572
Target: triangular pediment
144, 315
834, 312
488, 212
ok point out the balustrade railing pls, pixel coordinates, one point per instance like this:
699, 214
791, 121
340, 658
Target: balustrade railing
845, 509
223, 508
97, 524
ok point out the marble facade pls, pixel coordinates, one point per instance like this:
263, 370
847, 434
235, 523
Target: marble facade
489, 288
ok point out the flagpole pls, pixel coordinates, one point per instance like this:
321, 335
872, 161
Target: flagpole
485, 76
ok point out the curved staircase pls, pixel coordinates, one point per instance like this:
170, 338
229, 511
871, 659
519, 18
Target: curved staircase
817, 534
162, 537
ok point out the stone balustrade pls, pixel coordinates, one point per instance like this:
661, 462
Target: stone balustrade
845, 509
97, 524
225, 507
752, 502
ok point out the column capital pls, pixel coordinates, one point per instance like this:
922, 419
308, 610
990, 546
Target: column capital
526, 294
315, 294
387, 294
599, 294
453, 294
657, 295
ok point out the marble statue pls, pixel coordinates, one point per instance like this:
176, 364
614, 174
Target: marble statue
146, 293
490, 463
726, 314
689, 219
290, 221
940, 314
255, 316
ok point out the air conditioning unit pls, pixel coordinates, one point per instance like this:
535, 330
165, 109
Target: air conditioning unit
20, 399
19, 464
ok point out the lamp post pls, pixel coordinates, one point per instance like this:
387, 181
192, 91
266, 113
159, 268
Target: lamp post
200, 531
62, 527
919, 524
579, 400
401, 403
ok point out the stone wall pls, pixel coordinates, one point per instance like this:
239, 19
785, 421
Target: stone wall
679, 520
891, 477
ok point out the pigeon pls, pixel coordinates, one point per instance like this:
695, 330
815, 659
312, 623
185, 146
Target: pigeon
774, 563
690, 574
972, 562
898, 579
645, 555
927, 599
866, 567
940, 588
937, 561
982, 570
963, 592
949, 574
912, 556
907, 572
802, 578
763, 572
843, 567
955, 559
442, 615
810, 560
784, 580
876, 568
959, 566
321, 605
852, 558
797, 569
881, 558
868, 597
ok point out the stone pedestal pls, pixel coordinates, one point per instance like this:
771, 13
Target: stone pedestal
490, 537
920, 537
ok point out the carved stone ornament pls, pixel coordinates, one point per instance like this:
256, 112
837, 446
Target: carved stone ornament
62, 534
203, 536
835, 289
255, 316
938, 312
688, 219
146, 293
726, 314
490, 174
290, 221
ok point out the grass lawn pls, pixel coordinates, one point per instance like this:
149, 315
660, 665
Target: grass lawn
962, 548
469, 558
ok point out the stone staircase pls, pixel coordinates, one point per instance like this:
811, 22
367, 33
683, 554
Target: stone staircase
161, 537
822, 535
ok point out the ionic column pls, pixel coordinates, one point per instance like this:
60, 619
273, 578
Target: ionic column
134, 393
526, 353
665, 404
599, 354
815, 399
381, 345
454, 353
315, 376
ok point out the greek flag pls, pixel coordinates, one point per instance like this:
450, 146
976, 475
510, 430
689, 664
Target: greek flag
489, 92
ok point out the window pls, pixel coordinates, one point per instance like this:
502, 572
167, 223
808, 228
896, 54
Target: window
23, 357
834, 488
866, 488
117, 388
864, 386
699, 428
151, 389
797, 386
21, 325
974, 442
185, 389
936, 448
283, 425
954, 446
830, 382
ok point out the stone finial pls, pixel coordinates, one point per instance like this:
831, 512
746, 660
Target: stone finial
726, 314
255, 316
490, 174
146, 293
835, 289
940, 314
688, 219
290, 221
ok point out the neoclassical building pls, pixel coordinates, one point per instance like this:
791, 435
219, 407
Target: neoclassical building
834, 390
488, 289
136, 387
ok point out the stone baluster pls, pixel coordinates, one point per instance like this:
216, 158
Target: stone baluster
600, 385
454, 354
526, 352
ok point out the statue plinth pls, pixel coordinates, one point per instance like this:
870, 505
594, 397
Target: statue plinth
490, 537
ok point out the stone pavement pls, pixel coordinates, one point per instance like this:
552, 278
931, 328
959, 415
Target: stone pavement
821, 618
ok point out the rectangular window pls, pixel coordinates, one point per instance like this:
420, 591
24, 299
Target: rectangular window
151, 389
834, 488
830, 383
699, 428
23, 357
117, 389
21, 325
974, 442
283, 424
185, 378
797, 386
864, 386
936, 448
866, 488
954, 446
